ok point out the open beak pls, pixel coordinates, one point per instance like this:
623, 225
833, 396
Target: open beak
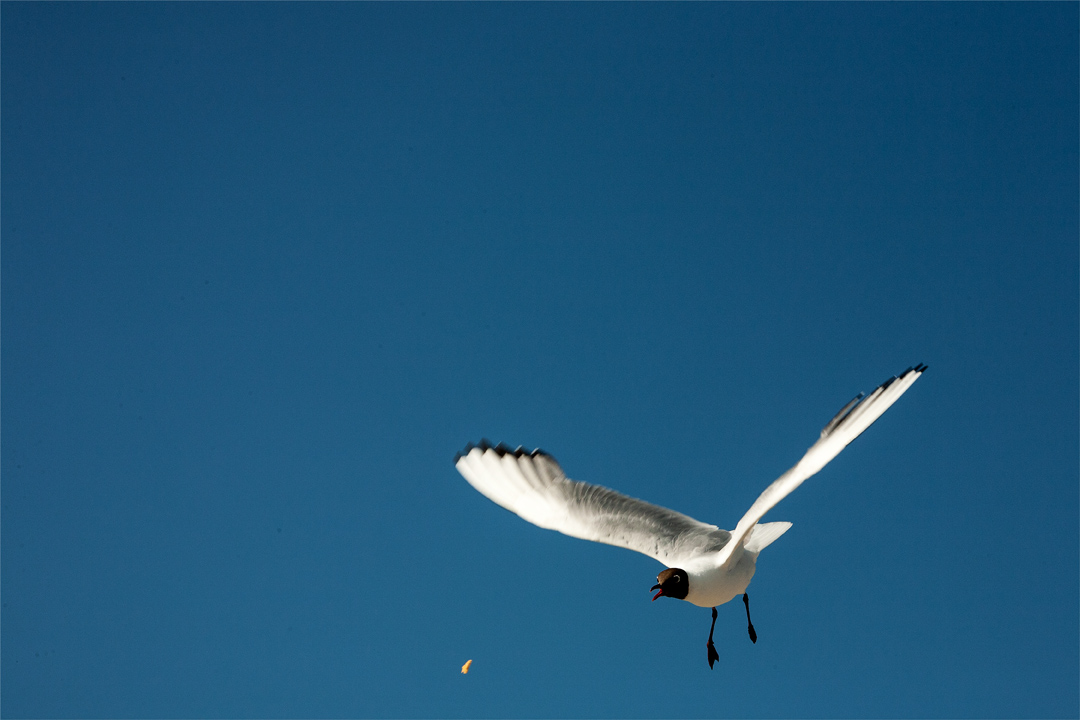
657, 587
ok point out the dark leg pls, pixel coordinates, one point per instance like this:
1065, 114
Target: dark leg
750, 625
713, 656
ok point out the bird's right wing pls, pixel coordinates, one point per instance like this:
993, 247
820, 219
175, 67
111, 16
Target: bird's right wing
532, 485
846, 425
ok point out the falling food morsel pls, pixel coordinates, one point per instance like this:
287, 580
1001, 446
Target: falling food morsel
465, 667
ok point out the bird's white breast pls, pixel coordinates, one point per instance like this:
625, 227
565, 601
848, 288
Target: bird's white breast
711, 586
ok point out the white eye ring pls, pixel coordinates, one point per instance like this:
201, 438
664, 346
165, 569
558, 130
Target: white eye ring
676, 578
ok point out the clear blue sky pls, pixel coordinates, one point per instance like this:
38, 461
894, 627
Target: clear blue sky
267, 267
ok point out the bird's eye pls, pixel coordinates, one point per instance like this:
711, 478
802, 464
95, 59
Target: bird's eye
676, 578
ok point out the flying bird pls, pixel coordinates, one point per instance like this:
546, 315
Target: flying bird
705, 565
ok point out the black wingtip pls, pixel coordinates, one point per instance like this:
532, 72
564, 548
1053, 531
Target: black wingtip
462, 453
502, 449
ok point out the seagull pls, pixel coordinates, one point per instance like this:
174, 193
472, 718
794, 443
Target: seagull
705, 565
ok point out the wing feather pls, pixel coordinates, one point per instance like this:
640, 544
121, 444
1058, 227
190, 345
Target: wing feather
852, 420
532, 485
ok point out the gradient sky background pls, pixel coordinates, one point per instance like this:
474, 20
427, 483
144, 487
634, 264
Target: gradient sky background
266, 268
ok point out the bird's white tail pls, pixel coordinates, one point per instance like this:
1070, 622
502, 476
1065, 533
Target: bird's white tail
763, 534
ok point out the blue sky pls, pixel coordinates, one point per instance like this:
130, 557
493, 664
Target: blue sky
267, 267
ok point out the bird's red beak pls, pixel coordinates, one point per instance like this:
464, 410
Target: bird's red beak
654, 587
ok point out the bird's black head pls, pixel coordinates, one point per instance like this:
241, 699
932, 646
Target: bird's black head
672, 583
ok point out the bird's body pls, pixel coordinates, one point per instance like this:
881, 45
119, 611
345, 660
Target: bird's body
712, 584
707, 566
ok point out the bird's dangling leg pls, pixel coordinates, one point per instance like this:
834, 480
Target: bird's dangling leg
713, 656
750, 625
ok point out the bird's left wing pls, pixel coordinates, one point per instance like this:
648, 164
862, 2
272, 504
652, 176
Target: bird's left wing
846, 425
532, 485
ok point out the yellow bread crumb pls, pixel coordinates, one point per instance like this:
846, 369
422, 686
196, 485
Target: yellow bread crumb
465, 667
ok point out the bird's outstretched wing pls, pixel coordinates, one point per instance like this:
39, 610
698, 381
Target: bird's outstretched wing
532, 485
847, 425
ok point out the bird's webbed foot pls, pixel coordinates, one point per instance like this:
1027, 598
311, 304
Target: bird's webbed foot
713, 655
749, 625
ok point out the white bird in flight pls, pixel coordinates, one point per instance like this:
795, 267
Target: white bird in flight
706, 566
